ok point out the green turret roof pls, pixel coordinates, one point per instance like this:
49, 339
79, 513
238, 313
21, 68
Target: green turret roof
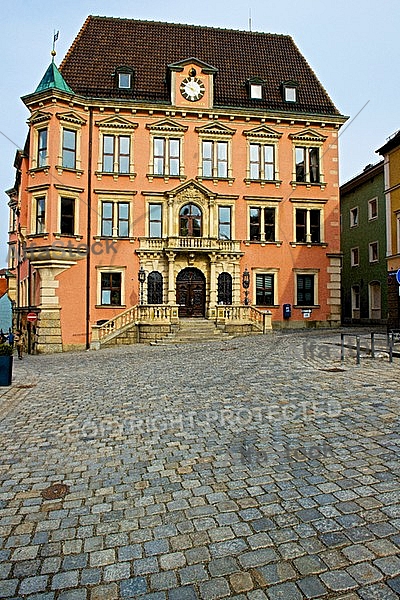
53, 79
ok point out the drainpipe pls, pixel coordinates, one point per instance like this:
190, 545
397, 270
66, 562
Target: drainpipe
89, 217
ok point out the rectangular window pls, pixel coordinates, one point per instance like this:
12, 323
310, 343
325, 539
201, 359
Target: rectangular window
40, 215
69, 149
269, 222
290, 94
354, 257
108, 153
111, 289
262, 164
307, 165
124, 81
67, 220
222, 159
264, 290
354, 217
123, 219
373, 252
214, 159
111, 145
301, 225
155, 220
107, 219
207, 150
42, 148
166, 156
315, 226
305, 290
224, 223
255, 224
373, 209
256, 91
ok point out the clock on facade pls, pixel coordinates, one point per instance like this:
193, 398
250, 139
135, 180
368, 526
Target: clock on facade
192, 88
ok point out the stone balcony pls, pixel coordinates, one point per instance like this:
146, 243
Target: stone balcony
192, 244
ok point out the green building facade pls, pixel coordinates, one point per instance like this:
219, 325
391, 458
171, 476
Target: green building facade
363, 245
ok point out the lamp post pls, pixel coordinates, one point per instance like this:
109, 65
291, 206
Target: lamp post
246, 284
141, 278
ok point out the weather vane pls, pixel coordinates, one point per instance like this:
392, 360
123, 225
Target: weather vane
55, 38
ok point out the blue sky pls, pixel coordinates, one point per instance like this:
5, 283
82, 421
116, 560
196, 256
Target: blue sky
352, 47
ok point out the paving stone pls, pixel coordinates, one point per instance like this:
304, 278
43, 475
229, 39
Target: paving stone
214, 589
338, 581
364, 573
131, 588
379, 591
257, 558
105, 592
187, 592
389, 565
241, 582
284, 591
172, 561
310, 565
69, 579
193, 574
277, 573
33, 584
357, 553
312, 587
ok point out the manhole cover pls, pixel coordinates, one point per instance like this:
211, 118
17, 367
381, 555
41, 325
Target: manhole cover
55, 491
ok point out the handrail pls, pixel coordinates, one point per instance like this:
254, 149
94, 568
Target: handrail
245, 313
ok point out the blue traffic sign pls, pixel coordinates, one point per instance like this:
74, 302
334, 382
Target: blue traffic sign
398, 276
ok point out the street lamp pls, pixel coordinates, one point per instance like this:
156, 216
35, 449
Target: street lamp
246, 284
142, 279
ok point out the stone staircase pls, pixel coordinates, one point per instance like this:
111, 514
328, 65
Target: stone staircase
194, 330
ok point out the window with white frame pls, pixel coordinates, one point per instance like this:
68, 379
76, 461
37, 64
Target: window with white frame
116, 154
111, 288
40, 215
354, 216
115, 219
214, 158
69, 148
355, 302
256, 90
373, 252
155, 220
262, 161
290, 94
124, 81
42, 148
355, 257
373, 209
166, 156
224, 222
375, 300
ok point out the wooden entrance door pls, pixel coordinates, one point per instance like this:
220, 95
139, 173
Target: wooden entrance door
191, 293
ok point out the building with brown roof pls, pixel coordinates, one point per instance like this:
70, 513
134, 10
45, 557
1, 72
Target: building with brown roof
192, 173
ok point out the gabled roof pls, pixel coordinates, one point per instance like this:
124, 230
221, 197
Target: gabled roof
53, 79
104, 44
391, 143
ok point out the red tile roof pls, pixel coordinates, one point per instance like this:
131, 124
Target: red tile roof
104, 44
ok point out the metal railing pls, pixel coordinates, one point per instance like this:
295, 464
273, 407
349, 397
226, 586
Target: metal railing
372, 348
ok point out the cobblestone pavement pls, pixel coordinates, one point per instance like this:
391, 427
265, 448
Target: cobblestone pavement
253, 468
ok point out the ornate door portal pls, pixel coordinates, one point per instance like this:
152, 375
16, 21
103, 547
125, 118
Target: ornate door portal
191, 293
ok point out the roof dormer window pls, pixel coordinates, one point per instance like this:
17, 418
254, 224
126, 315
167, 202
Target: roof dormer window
289, 89
124, 78
255, 88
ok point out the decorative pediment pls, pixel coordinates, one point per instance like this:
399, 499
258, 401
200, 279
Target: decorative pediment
191, 191
167, 126
181, 64
116, 123
71, 117
263, 132
39, 117
308, 135
215, 128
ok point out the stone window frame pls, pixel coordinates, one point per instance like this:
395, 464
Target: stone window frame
111, 269
371, 215
39, 121
65, 193
34, 215
309, 205
315, 274
116, 127
355, 256
373, 248
70, 122
166, 129
115, 198
263, 136
274, 271
307, 139
354, 214
215, 132
262, 203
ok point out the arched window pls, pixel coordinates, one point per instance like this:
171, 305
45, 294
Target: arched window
224, 288
154, 288
190, 218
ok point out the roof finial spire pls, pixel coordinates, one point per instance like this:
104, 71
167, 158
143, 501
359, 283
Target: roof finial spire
55, 38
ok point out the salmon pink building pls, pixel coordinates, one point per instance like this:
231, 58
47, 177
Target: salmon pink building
175, 172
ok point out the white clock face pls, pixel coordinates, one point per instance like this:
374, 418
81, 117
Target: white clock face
192, 88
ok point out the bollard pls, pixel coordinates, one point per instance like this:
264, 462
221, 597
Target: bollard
372, 344
391, 348
358, 349
342, 347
